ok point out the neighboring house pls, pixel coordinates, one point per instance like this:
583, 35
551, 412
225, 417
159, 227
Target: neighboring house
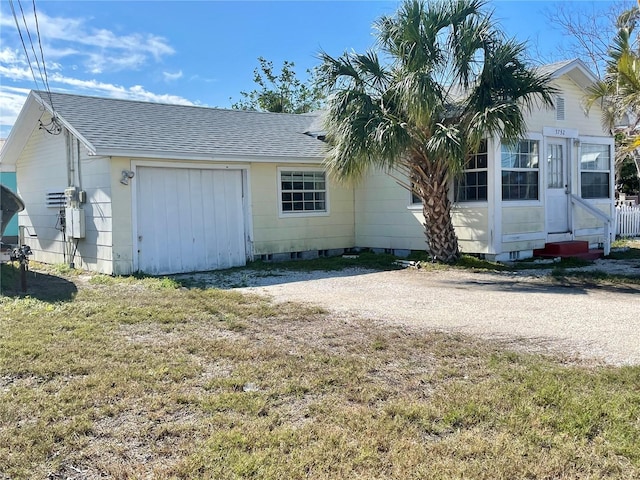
8, 179
121, 186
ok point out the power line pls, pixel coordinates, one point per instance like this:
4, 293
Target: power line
44, 65
53, 127
26, 52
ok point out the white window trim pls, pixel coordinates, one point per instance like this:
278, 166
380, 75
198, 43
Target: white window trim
610, 172
282, 214
522, 201
462, 203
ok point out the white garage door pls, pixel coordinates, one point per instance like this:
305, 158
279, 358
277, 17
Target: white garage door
189, 220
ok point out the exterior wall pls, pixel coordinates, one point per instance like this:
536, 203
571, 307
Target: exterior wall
275, 233
8, 179
523, 229
589, 228
385, 217
575, 116
42, 167
473, 227
95, 250
269, 232
122, 224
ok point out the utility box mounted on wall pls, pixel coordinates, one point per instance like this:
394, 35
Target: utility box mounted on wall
74, 196
75, 222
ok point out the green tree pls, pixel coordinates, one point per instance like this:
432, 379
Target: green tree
280, 92
628, 180
448, 80
619, 92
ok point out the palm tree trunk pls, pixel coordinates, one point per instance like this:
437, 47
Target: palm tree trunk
432, 185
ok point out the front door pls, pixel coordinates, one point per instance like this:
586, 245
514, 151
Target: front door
557, 199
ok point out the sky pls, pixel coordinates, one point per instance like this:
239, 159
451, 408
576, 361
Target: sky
201, 52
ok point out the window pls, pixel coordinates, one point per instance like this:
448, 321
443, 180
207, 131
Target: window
595, 162
520, 170
472, 186
303, 192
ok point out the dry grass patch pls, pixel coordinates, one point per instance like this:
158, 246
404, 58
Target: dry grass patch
142, 378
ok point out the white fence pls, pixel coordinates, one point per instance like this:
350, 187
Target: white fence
628, 221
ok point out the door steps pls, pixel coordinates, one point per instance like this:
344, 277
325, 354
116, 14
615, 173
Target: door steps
569, 249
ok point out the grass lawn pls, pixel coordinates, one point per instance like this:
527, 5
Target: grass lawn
105, 377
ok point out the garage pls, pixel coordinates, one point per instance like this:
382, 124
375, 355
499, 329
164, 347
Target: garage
189, 219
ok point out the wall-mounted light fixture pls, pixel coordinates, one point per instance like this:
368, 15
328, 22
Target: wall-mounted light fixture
576, 142
126, 175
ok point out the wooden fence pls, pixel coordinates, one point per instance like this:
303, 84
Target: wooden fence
628, 221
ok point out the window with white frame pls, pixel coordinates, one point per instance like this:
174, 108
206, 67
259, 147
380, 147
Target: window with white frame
595, 163
303, 192
520, 170
472, 185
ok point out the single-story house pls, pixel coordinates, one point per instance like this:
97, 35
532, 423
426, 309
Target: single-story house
119, 186
8, 179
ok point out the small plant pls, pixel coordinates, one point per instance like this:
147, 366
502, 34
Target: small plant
625, 249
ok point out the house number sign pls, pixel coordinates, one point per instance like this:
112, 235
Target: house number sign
560, 132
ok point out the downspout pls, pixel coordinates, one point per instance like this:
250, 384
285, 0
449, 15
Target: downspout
70, 179
70, 166
78, 160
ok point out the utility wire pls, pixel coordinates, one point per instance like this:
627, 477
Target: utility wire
33, 49
44, 65
53, 127
26, 52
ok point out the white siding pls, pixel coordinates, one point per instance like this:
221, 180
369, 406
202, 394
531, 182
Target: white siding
42, 166
95, 251
275, 233
122, 227
385, 217
471, 223
575, 115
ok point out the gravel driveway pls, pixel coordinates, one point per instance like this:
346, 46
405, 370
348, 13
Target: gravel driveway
532, 311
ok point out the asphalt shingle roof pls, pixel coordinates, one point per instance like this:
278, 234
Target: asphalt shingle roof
551, 68
111, 125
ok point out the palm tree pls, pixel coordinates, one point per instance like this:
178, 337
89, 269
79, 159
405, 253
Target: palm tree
619, 91
449, 79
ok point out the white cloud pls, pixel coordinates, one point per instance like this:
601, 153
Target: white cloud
11, 101
74, 47
170, 77
100, 49
13, 72
136, 92
8, 55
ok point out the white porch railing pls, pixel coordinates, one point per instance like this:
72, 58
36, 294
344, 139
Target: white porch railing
628, 220
609, 229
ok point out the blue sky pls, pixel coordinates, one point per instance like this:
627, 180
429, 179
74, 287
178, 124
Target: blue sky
202, 52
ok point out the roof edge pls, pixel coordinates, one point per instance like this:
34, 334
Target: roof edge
240, 158
583, 80
40, 99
